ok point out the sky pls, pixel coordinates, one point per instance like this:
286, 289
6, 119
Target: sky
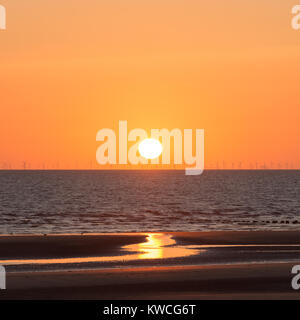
71, 68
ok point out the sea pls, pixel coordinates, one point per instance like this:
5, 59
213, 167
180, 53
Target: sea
55, 202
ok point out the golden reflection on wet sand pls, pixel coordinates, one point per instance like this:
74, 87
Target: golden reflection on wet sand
157, 246
161, 246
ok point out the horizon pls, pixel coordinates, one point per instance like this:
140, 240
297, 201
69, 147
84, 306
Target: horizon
154, 169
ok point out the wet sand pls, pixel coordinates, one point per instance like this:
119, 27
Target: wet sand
64, 246
239, 237
157, 277
269, 281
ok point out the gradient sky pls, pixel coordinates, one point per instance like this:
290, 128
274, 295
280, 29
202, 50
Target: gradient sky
70, 68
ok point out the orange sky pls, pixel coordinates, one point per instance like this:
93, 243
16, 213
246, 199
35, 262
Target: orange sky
70, 68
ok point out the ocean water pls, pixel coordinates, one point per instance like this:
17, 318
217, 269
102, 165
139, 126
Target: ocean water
137, 201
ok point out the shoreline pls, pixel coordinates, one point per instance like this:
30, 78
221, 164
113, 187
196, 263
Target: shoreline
112, 244
190, 234
104, 251
184, 265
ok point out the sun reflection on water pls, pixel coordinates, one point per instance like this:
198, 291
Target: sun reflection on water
154, 248
161, 246
157, 246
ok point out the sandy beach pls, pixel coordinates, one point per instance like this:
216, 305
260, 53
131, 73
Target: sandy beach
208, 265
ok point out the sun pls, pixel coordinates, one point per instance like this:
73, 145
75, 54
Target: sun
150, 148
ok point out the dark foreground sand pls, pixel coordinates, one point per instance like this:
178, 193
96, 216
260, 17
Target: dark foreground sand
237, 281
269, 281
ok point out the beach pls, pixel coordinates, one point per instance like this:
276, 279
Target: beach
184, 265
149, 150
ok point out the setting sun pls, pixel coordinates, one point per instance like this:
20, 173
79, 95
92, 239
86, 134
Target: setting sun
150, 148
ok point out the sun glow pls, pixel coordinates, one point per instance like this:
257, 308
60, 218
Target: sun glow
150, 148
